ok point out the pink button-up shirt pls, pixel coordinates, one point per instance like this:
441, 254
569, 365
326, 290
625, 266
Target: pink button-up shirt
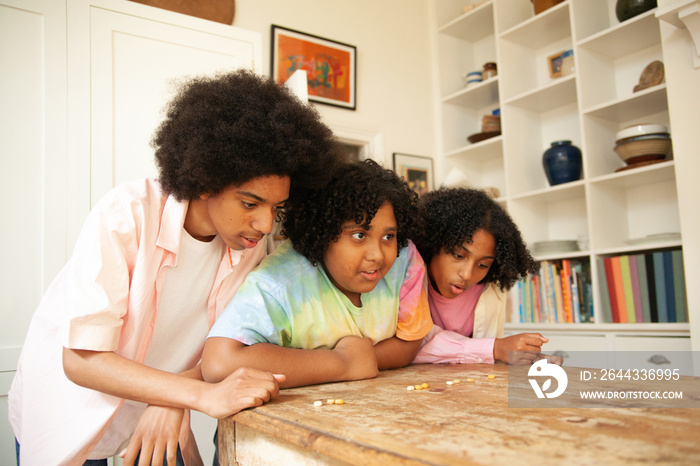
105, 299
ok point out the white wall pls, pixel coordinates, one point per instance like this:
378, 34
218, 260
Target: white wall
394, 76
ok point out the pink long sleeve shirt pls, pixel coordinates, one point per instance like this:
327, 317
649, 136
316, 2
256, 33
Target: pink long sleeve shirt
465, 328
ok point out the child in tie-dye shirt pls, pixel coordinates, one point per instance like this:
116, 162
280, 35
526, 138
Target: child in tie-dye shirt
343, 298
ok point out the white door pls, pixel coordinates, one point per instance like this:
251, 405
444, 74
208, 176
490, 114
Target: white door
32, 177
124, 61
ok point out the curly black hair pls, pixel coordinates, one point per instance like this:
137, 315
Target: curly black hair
226, 129
356, 192
451, 216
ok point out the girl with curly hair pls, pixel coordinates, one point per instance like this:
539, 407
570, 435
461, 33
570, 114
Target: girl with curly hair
342, 298
111, 357
474, 253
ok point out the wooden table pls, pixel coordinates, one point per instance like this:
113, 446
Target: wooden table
382, 423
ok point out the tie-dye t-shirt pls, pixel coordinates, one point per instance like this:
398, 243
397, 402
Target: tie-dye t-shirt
289, 302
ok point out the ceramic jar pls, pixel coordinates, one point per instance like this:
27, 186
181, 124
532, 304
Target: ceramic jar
562, 162
626, 9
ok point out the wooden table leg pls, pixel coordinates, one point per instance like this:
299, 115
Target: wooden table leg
227, 441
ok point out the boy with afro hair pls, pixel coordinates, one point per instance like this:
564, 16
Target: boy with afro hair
110, 362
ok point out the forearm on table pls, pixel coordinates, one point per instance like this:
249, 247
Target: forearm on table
394, 352
445, 346
222, 356
110, 373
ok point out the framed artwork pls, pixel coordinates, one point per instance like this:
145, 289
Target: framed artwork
554, 62
330, 66
416, 170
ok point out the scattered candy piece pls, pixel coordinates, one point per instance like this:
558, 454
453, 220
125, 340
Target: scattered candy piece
318, 403
449, 382
425, 385
456, 381
419, 387
470, 380
491, 376
339, 402
410, 387
330, 402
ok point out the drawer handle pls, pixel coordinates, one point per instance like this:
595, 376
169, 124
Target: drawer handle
658, 359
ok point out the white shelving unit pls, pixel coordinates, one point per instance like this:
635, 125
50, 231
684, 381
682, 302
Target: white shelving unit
605, 208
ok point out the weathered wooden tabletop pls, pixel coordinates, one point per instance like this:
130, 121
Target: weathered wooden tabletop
381, 422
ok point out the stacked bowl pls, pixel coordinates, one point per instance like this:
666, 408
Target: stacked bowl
643, 144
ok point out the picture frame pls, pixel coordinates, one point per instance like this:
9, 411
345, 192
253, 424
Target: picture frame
554, 63
417, 170
331, 66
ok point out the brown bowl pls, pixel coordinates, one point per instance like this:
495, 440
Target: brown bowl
541, 5
474, 138
643, 150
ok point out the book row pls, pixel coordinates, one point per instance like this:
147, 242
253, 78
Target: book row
645, 287
562, 292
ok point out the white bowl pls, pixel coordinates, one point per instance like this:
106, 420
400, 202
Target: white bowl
640, 130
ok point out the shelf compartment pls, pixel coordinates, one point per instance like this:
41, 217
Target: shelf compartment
471, 26
557, 213
479, 166
555, 94
601, 159
529, 135
465, 43
633, 204
482, 95
540, 30
609, 71
627, 38
638, 105
524, 51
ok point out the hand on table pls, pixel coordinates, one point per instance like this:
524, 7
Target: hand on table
520, 349
244, 388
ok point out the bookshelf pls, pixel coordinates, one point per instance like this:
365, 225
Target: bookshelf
610, 213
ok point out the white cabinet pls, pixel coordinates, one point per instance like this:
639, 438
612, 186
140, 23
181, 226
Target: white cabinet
607, 209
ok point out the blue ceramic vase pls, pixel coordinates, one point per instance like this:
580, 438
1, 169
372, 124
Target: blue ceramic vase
562, 163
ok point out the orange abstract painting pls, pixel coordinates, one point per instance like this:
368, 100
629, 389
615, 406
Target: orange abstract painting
329, 65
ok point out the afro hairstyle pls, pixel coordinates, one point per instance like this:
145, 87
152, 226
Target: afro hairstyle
227, 129
356, 192
451, 216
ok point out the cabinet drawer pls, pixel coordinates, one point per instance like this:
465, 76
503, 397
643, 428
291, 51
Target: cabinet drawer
578, 350
644, 352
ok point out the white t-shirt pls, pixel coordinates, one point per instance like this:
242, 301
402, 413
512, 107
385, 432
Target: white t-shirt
180, 330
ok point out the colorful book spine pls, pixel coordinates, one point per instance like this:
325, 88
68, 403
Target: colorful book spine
619, 290
636, 291
660, 286
670, 293
679, 286
651, 285
575, 294
627, 288
566, 291
643, 287
604, 293
612, 291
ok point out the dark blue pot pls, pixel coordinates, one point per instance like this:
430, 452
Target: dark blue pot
562, 163
626, 9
